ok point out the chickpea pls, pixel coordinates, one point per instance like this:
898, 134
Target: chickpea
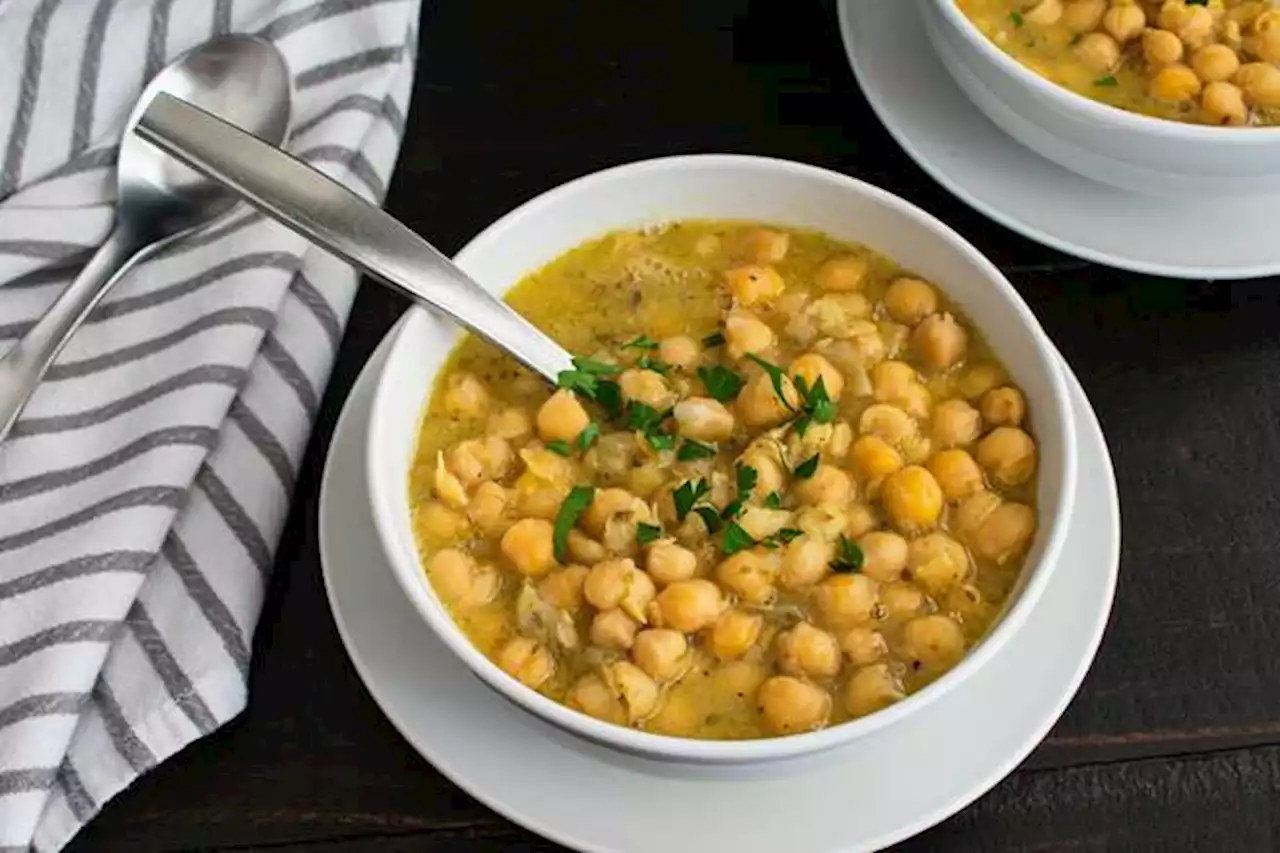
770, 475
750, 576
438, 523
1003, 406
584, 549
842, 274
703, 419
973, 511
836, 315
465, 397
460, 581
680, 351
1008, 454
1267, 46
1005, 533
592, 696
734, 633
476, 459
648, 387
754, 284
563, 588
1215, 63
618, 583
808, 651
955, 423
690, 605
1197, 27
940, 341
605, 505
912, 499
910, 300
805, 561
871, 689
1099, 52
667, 562
789, 705
540, 503
527, 661
562, 417
901, 599
760, 406
889, 423
1161, 47
957, 473
828, 485
863, 646
746, 333
1173, 15
1083, 16
846, 600
613, 629
638, 692
528, 545
874, 459
1045, 13
660, 652
937, 562
935, 640
487, 505
763, 245
1260, 82
884, 555
979, 379
447, 487
812, 368
512, 424
891, 380
1223, 103
861, 519
1124, 22
1175, 83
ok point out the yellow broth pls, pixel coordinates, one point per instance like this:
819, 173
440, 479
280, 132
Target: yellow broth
1205, 63
882, 537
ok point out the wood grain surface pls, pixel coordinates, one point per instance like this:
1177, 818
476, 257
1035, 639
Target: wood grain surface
1173, 744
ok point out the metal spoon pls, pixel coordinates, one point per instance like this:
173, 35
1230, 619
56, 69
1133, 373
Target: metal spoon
330, 215
159, 200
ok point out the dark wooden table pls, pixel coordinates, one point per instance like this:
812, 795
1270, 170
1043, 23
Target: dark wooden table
1173, 744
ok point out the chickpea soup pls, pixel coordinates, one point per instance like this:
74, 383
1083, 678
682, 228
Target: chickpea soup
786, 485
1200, 61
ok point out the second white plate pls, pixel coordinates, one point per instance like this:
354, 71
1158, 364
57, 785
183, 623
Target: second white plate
937, 125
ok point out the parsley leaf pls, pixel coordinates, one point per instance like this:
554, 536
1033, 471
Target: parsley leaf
786, 534
585, 378
642, 416
1016, 17
736, 539
776, 376
849, 557
599, 368
589, 434
722, 383
687, 495
714, 339
657, 365
709, 517
1109, 80
609, 396
646, 533
806, 469
691, 450
574, 505
660, 440
773, 500
747, 477
560, 447
641, 342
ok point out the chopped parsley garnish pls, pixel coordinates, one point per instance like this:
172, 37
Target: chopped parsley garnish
587, 379
816, 406
709, 517
646, 533
747, 478
1197, 2
776, 376
578, 499
642, 416
1109, 80
561, 447
773, 500
721, 382
1016, 17
714, 339
848, 557
808, 467
786, 534
589, 434
641, 342
687, 495
655, 364
736, 539
660, 440
609, 396
691, 450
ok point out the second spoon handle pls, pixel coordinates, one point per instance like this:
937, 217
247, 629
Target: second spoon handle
330, 215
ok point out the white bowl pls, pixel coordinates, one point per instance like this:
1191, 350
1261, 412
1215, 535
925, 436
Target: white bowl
1102, 142
722, 187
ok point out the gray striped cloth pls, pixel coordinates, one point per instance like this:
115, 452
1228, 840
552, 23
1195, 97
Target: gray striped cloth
144, 489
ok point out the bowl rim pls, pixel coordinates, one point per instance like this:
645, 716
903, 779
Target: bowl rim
408, 569
1095, 110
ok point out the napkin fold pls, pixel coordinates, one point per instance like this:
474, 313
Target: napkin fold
143, 490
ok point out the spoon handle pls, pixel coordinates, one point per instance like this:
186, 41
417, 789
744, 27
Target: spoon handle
25, 364
330, 215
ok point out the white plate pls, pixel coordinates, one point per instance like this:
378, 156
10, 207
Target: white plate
937, 125
861, 797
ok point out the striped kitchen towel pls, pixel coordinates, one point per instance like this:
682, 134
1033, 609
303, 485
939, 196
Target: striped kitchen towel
143, 491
